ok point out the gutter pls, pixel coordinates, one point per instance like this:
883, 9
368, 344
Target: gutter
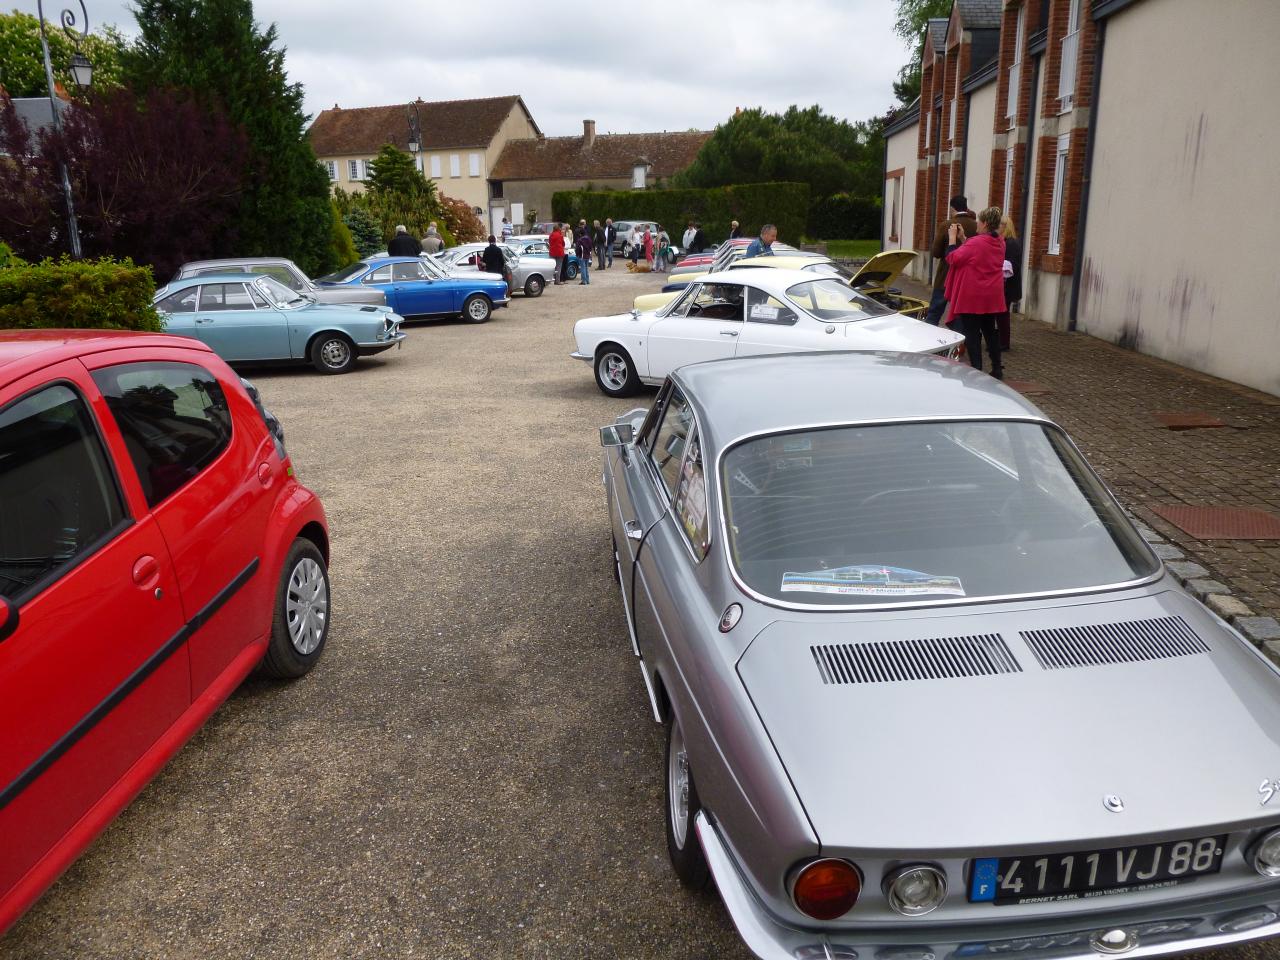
1088, 175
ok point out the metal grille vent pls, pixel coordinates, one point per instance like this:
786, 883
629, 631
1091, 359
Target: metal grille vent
937, 658
1130, 642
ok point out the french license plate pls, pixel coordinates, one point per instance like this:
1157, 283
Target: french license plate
1093, 873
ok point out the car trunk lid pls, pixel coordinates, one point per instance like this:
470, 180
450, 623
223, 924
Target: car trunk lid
883, 268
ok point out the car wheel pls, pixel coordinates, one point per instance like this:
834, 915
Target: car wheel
626, 250
615, 373
683, 847
301, 622
571, 272
477, 309
333, 353
534, 286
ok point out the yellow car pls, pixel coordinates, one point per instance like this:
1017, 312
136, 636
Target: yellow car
873, 278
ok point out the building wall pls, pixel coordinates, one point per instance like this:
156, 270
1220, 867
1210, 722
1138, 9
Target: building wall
536, 194
903, 164
1179, 250
977, 147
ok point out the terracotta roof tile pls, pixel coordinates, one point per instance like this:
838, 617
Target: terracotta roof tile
445, 124
611, 155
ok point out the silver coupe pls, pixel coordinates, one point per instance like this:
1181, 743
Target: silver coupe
927, 691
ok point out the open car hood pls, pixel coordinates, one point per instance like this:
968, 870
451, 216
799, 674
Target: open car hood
883, 268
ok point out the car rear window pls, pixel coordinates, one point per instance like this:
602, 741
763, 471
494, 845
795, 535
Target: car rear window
834, 301
174, 418
59, 494
922, 513
346, 273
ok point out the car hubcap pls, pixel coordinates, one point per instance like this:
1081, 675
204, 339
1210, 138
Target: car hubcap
613, 371
478, 310
307, 606
335, 353
535, 287
678, 786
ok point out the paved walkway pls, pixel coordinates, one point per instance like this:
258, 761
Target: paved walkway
1107, 398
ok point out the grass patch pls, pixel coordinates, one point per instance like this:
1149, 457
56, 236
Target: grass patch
852, 249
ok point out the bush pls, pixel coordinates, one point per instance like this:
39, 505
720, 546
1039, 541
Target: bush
82, 294
365, 232
751, 204
342, 247
464, 226
845, 217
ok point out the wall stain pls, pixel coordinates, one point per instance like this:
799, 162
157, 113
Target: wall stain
1193, 142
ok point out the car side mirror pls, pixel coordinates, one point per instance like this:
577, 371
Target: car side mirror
8, 618
617, 435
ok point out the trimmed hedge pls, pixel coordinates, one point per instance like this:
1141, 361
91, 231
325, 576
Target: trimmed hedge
845, 217
751, 204
83, 294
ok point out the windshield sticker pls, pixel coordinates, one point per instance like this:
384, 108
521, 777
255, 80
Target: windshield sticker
802, 445
762, 311
869, 580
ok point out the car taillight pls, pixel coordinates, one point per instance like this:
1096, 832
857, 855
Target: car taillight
827, 889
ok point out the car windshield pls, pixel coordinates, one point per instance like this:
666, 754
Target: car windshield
834, 301
346, 273
922, 513
278, 294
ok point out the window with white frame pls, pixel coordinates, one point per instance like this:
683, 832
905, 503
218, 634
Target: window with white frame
1070, 51
928, 127
353, 169
951, 127
331, 168
368, 168
455, 165
473, 164
1059, 185
435, 168
1015, 70
1008, 182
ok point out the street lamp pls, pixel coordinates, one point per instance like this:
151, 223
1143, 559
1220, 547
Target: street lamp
82, 74
415, 133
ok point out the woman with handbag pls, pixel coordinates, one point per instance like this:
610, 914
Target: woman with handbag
975, 286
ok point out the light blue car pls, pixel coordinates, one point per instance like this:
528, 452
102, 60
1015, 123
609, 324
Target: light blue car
250, 318
421, 287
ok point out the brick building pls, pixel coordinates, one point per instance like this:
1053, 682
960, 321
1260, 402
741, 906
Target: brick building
1140, 190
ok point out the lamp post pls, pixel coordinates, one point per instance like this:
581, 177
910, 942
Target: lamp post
82, 73
415, 134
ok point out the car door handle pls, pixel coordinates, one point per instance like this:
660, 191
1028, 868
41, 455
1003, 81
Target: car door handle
204, 319
728, 333
145, 570
634, 530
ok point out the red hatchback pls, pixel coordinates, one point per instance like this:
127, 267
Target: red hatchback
154, 547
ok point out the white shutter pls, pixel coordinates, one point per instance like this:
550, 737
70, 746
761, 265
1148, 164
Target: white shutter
1059, 183
473, 163
1008, 181
435, 168
455, 165
1067, 67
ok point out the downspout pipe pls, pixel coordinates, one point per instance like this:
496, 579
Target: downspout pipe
884, 164
1027, 172
1094, 87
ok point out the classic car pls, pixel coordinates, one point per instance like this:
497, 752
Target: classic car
927, 692
288, 273
702, 262
745, 312
247, 318
155, 547
787, 258
421, 287
526, 271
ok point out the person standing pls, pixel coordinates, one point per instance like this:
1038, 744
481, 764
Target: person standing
975, 286
686, 241
1012, 278
648, 247
699, 239
432, 243
598, 242
762, 246
962, 215
555, 243
507, 230
492, 258
403, 244
734, 230
661, 251
583, 247
610, 235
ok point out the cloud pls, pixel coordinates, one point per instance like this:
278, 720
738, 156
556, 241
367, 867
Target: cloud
632, 68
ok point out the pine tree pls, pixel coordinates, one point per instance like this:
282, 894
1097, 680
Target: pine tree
215, 48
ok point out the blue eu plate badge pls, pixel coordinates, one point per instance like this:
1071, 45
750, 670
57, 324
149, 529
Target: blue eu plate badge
982, 887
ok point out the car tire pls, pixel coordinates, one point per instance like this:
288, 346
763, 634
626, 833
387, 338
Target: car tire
333, 353
477, 309
571, 272
615, 372
680, 806
300, 625
626, 250
534, 286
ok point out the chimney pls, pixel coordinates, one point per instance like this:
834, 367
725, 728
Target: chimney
588, 134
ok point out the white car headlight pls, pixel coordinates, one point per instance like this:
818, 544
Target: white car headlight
1266, 855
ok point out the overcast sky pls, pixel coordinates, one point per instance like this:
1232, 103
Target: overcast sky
630, 66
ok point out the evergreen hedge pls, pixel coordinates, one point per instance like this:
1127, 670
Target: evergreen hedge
843, 216
83, 294
751, 204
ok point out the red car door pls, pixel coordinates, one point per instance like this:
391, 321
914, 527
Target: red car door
96, 670
204, 459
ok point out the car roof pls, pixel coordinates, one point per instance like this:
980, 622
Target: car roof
772, 279
25, 351
781, 261
776, 392
182, 283
233, 260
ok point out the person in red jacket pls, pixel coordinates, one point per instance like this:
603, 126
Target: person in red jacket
556, 244
975, 286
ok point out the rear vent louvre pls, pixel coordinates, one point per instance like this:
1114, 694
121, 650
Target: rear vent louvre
1129, 642
984, 655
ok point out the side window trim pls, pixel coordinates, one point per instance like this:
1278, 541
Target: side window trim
655, 474
695, 440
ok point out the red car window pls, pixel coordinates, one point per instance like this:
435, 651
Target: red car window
174, 419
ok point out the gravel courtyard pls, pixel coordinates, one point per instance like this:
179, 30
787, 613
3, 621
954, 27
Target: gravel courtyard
472, 770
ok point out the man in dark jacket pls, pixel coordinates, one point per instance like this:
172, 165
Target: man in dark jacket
494, 261
962, 215
582, 247
598, 241
610, 235
699, 239
403, 244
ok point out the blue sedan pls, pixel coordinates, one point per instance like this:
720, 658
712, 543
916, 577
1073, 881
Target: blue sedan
420, 287
257, 318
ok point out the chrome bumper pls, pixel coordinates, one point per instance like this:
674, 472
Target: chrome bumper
377, 346
1170, 928
581, 356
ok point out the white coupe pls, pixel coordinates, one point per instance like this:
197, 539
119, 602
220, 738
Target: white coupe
746, 312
